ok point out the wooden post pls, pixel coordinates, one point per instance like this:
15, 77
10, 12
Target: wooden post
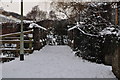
36, 37
22, 35
30, 45
73, 39
0, 37
17, 51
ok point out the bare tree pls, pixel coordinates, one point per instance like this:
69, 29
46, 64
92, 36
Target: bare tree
52, 15
36, 14
69, 9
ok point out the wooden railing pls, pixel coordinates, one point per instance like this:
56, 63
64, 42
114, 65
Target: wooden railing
15, 34
14, 39
31, 43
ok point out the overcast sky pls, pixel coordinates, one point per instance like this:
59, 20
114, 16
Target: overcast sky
14, 5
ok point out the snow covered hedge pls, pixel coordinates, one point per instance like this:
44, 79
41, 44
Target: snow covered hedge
94, 48
97, 36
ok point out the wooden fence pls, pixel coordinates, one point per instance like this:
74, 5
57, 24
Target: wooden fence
11, 44
34, 39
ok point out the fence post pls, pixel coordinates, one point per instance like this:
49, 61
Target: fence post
30, 45
17, 51
36, 37
21, 35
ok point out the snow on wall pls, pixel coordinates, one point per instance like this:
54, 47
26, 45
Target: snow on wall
78, 24
72, 28
105, 31
36, 25
78, 27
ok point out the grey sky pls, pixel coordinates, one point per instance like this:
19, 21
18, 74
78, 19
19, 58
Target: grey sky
28, 4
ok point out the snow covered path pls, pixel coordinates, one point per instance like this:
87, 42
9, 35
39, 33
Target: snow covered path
55, 62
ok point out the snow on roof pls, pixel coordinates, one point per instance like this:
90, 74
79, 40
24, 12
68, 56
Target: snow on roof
36, 25
5, 17
10, 18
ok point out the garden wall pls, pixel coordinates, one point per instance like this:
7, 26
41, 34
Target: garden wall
116, 62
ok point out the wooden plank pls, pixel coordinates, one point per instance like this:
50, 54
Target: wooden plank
12, 38
15, 50
6, 59
16, 34
7, 47
18, 50
14, 41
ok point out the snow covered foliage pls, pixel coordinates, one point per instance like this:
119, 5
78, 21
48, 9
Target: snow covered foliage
94, 48
110, 30
36, 25
98, 36
97, 17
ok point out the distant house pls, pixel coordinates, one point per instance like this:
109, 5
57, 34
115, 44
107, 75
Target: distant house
6, 18
10, 22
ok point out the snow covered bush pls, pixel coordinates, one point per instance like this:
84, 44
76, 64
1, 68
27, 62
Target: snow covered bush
94, 48
98, 36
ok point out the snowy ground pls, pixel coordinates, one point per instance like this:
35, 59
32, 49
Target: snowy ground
55, 62
0, 71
